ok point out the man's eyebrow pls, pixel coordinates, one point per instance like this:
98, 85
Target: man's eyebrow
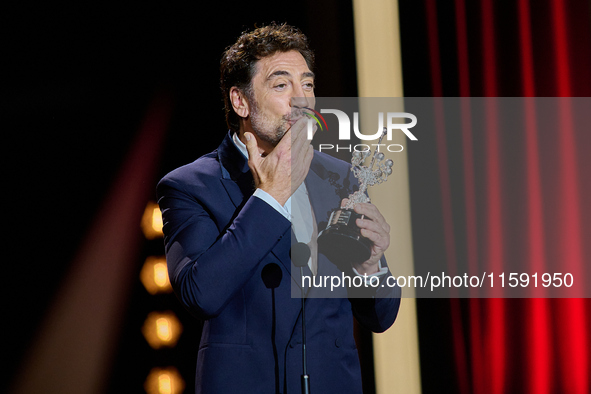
279, 73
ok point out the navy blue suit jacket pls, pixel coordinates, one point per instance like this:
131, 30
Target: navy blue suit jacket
219, 239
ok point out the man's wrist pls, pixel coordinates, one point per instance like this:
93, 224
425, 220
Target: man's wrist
381, 272
269, 199
377, 270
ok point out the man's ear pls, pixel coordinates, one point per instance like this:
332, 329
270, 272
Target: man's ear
239, 102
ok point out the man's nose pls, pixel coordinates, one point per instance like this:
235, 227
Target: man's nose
299, 101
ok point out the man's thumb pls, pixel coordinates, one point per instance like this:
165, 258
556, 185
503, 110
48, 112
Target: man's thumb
251, 146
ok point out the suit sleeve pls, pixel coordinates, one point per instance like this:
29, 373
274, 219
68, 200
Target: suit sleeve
377, 311
208, 267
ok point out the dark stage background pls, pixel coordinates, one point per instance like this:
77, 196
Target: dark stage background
78, 84
80, 81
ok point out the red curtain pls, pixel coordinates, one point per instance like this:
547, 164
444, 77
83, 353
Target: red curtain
532, 204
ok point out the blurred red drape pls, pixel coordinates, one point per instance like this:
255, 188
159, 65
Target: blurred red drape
520, 49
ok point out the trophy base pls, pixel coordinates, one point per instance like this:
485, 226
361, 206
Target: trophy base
342, 241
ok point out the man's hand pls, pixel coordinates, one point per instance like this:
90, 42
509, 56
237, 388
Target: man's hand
377, 230
283, 170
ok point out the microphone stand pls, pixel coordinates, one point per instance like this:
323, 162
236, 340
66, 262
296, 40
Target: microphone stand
305, 376
300, 253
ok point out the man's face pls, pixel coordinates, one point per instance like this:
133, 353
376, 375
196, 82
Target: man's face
282, 85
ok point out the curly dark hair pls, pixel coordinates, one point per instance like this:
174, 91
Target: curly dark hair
238, 64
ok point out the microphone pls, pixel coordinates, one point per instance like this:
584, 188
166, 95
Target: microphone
271, 276
300, 254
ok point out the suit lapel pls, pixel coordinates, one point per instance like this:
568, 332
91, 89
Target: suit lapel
322, 194
325, 190
236, 176
239, 189
238, 182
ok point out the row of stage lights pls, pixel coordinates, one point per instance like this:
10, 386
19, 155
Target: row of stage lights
161, 329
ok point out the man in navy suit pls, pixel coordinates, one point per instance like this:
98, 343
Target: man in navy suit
230, 219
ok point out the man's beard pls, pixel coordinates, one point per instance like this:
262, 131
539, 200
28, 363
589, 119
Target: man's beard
268, 130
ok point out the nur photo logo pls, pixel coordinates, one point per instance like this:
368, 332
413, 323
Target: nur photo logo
390, 121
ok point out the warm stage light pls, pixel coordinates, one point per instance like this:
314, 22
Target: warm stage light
154, 275
152, 221
164, 381
162, 329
